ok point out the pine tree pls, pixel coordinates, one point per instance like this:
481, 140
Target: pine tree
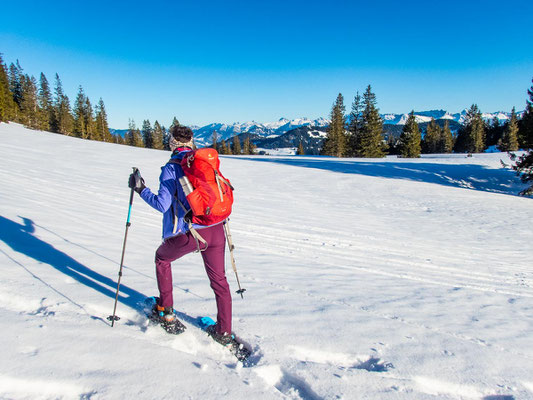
432, 138
356, 117
80, 128
45, 104
215, 140
336, 142
494, 132
509, 141
471, 137
158, 136
90, 123
102, 127
236, 145
301, 150
7, 105
15, 84
147, 134
133, 136
525, 137
371, 136
28, 106
63, 121
247, 146
224, 149
446, 139
410, 138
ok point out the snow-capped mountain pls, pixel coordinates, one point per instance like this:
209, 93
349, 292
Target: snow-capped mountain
204, 135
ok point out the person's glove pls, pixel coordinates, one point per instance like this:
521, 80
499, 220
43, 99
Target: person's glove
136, 182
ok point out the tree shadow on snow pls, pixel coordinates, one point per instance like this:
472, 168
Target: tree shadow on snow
21, 239
468, 176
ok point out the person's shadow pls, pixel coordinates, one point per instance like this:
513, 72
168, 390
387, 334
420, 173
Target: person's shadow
21, 239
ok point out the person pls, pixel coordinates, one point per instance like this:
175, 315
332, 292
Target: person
179, 239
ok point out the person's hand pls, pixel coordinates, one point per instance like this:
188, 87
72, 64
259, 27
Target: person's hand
136, 182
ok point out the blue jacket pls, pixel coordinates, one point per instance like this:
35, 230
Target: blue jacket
165, 200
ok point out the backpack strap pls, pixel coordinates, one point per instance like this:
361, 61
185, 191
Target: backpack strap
193, 231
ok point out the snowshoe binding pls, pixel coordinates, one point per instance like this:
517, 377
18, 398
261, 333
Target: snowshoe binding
167, 318
229, 341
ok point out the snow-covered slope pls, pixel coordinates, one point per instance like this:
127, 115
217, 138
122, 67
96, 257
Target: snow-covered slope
366, 279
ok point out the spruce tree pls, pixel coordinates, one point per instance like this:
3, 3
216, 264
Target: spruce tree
356, 117
29, 107
301, 150
147, 134
15, 83
446, 139
525, 137
336, 141
432, 138
45, 104
410, 138
90, 123
236, 145
7, 105
102, 127
158, 136
63, 121
80, 128
224, 149
247, 146
133, 136
215, 140
509, 141
371, 136
166, 138
471, 137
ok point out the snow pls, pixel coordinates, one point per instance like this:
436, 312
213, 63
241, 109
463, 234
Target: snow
366, 279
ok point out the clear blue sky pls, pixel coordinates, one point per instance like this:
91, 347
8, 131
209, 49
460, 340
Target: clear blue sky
229, 61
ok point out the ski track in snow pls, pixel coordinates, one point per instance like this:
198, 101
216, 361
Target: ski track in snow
348, 346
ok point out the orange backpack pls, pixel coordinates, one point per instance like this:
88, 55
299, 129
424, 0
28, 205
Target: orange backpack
212, 195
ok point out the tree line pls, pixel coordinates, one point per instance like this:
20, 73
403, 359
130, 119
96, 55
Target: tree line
37, 105
361, 133
234, 146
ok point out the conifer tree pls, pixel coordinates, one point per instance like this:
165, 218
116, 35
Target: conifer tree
336, 141
432, 138
247, 146
494, 132
371, 136
509, 141
102, 127
29, 108
301, 150
7, 105
224, 149
133, 136
471, 137
45, 104
525, 137
80, 128
236, 145
410, 138
446, 140
15, 84
90, 123
63, 121
147, 134
158, 136
356, 116
215, 140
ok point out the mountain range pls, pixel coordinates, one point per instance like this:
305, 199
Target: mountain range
269, 131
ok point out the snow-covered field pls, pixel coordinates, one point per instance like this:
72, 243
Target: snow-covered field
366, 279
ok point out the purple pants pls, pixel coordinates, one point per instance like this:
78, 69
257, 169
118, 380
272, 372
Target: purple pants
175, 247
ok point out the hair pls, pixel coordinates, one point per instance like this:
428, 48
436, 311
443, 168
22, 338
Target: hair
181, 133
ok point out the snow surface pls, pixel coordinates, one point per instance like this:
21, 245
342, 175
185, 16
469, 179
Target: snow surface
366, 279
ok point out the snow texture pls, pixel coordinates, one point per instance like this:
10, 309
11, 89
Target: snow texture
366, 279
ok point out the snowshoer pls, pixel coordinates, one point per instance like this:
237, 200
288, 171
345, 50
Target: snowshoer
179, 239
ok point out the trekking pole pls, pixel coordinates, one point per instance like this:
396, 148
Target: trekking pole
114, 317
231, 247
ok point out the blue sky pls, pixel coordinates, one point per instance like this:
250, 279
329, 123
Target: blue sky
229, 61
